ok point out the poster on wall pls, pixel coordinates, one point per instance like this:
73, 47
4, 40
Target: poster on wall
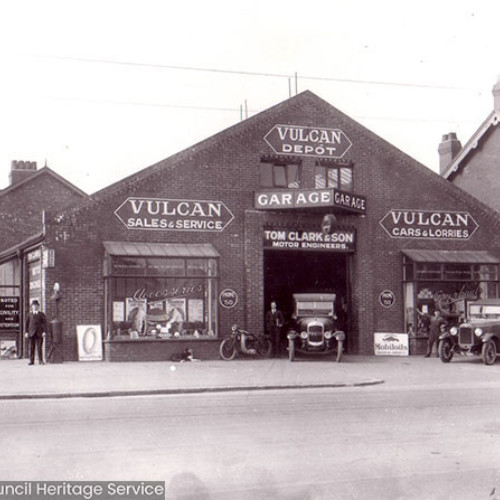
89, 338
391, 344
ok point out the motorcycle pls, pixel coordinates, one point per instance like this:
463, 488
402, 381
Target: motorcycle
243, 342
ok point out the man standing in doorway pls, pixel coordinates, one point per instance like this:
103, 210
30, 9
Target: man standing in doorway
434, 331
36, 327
274, 322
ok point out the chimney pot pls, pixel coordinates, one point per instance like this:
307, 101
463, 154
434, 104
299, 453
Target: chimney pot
448, 149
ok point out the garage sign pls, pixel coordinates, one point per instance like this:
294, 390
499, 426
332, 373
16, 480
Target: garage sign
299, 140
340, 240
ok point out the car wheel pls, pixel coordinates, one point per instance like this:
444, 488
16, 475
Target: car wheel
340, 347
489, 352
445, 350
291, 350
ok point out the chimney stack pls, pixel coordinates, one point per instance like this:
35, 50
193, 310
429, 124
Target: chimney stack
21, 170
448, 150
496, 96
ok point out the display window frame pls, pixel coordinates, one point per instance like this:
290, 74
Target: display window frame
428, 286
161, 297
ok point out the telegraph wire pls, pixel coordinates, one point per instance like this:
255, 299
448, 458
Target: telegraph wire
295, 76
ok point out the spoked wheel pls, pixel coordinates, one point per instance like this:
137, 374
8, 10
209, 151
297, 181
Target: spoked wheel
291, 350
227, 349
445, 351
489, 352
264, 346
340, 347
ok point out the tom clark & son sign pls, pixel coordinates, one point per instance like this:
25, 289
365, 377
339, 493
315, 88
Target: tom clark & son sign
174, 215
429, 224
342, 240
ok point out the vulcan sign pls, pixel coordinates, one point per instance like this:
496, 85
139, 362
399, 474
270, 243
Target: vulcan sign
308, 141
174, 215
429, 224
309, 198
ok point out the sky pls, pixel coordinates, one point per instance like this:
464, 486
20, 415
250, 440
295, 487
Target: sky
99, 90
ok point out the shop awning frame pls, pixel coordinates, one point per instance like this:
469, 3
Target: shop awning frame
172, 250
452, 256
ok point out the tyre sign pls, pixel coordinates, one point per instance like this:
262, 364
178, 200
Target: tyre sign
89, 342
228, 298
387, 298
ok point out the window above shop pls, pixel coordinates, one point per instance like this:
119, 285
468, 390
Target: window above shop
278, 172
329, 174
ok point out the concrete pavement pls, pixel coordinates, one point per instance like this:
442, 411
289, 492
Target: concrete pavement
104, 379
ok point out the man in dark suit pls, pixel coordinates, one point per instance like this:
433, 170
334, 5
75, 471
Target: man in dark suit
36, 327
274, 322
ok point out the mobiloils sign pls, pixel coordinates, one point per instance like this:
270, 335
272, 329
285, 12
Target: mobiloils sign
429, 224
174, 215
308, 141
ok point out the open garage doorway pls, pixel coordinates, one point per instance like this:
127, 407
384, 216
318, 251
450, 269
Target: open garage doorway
287, 272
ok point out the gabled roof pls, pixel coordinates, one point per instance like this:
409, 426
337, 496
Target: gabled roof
43, 172
491, 121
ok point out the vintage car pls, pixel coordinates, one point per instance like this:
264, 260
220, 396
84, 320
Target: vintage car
313, 326
479, 335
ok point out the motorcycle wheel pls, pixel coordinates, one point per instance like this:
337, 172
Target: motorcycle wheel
445, 350
291, 350
340, 347
489, 352
264, 347
227, 349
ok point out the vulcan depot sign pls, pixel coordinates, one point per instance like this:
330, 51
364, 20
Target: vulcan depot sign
428, 224
308, 141
174, 215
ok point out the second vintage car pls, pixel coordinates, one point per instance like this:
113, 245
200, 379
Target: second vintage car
313, 326
478, 336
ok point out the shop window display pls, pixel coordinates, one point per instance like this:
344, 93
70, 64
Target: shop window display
444, 286
162, 298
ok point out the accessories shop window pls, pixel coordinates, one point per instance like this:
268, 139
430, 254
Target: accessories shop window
277, 173
162, 297
446, 286
333, 175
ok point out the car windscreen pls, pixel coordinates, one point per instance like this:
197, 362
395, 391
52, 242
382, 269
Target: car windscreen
484, 311
314, 308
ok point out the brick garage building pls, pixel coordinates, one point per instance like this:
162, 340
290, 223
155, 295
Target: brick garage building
175, 254
24, 207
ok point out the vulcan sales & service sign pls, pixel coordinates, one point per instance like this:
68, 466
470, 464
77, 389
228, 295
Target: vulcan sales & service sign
429, 224
174, 215
308, 141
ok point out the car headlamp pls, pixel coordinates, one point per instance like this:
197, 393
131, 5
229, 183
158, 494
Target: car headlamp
478, 332
303, 335
328, 335
453, 330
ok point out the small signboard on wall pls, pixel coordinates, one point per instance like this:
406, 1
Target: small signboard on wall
391, 344
89, 339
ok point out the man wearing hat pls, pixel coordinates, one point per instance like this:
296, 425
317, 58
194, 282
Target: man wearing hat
36, 326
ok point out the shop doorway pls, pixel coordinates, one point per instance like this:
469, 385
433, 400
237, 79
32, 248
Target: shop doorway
289, 272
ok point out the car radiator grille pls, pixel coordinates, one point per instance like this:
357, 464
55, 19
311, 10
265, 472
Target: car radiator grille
315, 334
465, 336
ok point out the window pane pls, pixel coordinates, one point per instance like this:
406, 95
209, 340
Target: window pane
346, 179
128, 266
333, 177
280, 176
266, 175
319, 178
293, 176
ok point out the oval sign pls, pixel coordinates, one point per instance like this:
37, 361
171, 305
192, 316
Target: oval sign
228, 298
387, 298
89, 340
